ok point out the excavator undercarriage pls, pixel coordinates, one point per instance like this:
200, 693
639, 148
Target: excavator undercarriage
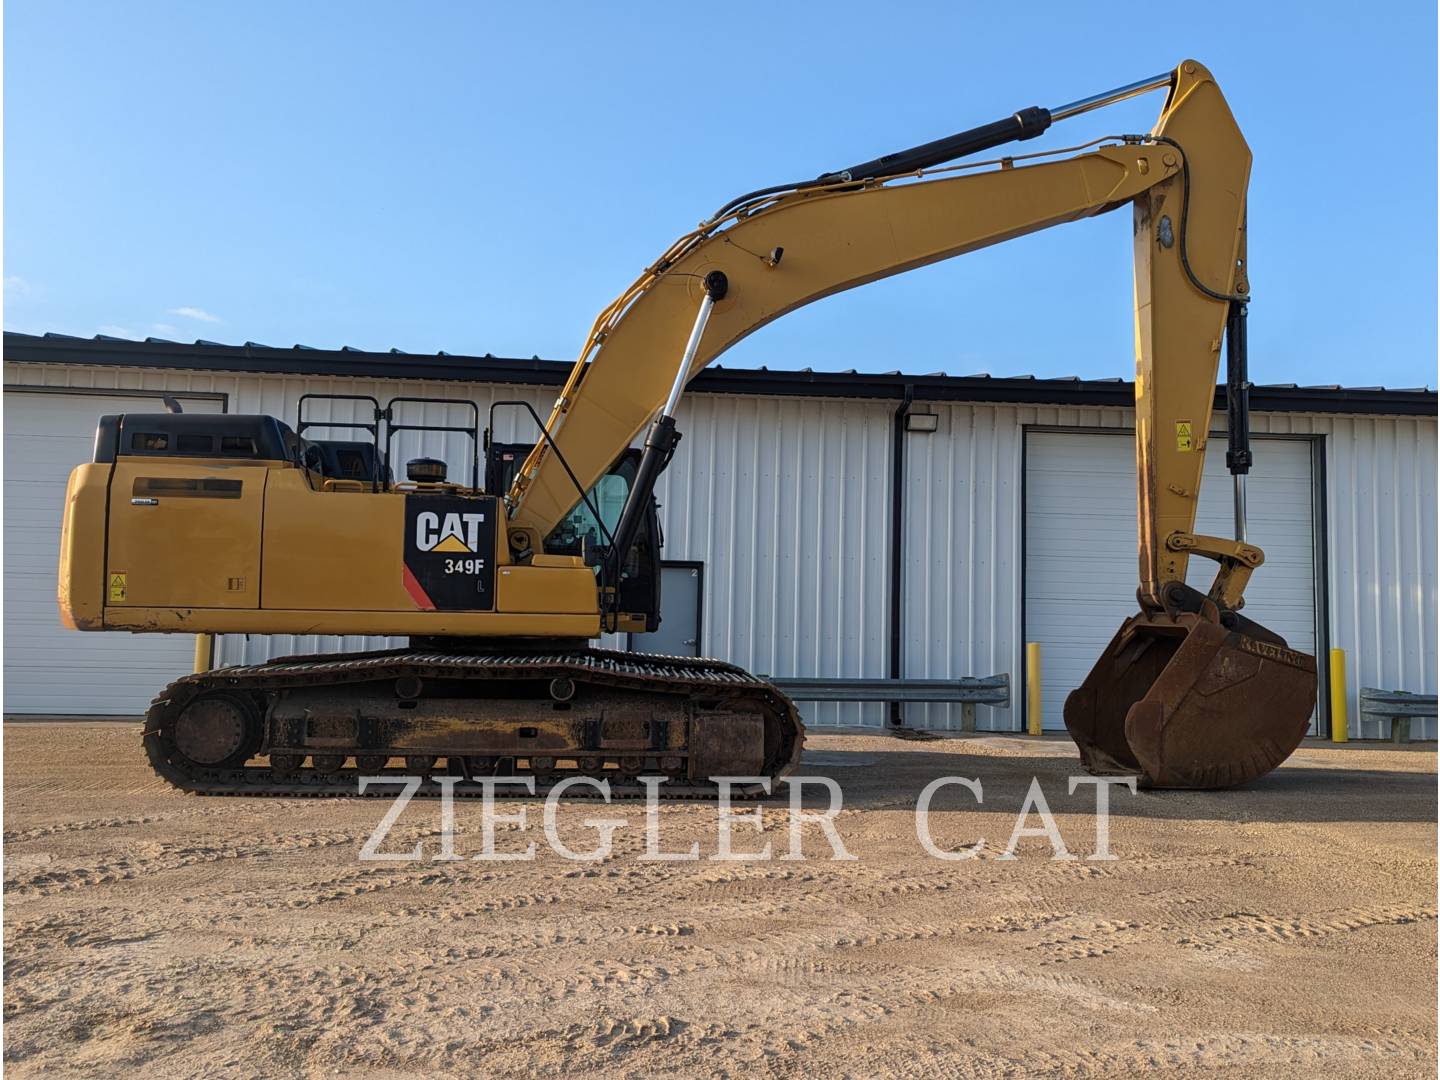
314, 725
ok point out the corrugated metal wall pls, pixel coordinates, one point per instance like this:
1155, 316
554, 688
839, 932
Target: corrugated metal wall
786, 502
962, 547
1380, 497
962, 556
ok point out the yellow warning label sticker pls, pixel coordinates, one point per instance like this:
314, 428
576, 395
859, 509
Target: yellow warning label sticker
119, 584
1184, 438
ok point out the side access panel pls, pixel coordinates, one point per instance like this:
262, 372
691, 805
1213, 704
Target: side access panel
332, 550
184, 534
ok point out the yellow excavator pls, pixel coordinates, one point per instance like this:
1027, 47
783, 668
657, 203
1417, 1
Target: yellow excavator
241, 524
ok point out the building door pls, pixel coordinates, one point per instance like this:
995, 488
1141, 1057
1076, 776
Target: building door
681, 596
50, 670
1080, 557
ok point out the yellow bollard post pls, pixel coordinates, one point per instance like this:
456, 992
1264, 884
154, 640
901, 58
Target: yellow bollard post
1032, 687
204, 652
1339, 699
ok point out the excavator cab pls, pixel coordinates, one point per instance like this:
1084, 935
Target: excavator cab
638, 588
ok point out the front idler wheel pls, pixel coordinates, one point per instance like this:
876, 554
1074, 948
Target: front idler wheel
217, 731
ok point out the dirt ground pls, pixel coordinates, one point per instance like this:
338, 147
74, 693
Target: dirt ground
1285, 929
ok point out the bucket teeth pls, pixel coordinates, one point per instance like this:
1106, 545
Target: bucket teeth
1185, 702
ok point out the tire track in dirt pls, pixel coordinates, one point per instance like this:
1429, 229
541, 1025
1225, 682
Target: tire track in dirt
162, 858
1293, 928
40, 832
1088, 939
1221, 1052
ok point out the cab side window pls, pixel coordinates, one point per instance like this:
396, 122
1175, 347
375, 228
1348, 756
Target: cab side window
608, 497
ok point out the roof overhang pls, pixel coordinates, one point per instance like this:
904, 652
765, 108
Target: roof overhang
251, 358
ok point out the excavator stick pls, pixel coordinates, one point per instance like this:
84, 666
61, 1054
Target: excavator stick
1190, 693
1187, 701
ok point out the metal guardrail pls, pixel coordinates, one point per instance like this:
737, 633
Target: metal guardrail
993, 690
1397, 706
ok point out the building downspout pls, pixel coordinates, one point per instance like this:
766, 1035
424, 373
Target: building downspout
897, 542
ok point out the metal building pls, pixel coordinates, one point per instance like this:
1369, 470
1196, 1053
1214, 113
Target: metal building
1003, 508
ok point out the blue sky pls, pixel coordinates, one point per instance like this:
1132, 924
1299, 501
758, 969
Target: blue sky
484, 178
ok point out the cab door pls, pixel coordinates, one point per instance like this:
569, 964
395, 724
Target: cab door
184, 533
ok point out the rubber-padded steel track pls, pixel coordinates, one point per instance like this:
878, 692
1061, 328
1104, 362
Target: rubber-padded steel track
705, 678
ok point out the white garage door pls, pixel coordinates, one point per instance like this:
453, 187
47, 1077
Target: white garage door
1080, 556
50, 670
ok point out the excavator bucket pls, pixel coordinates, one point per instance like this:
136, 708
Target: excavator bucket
1186, 702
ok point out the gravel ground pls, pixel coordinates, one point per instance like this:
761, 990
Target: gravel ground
1285, 929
